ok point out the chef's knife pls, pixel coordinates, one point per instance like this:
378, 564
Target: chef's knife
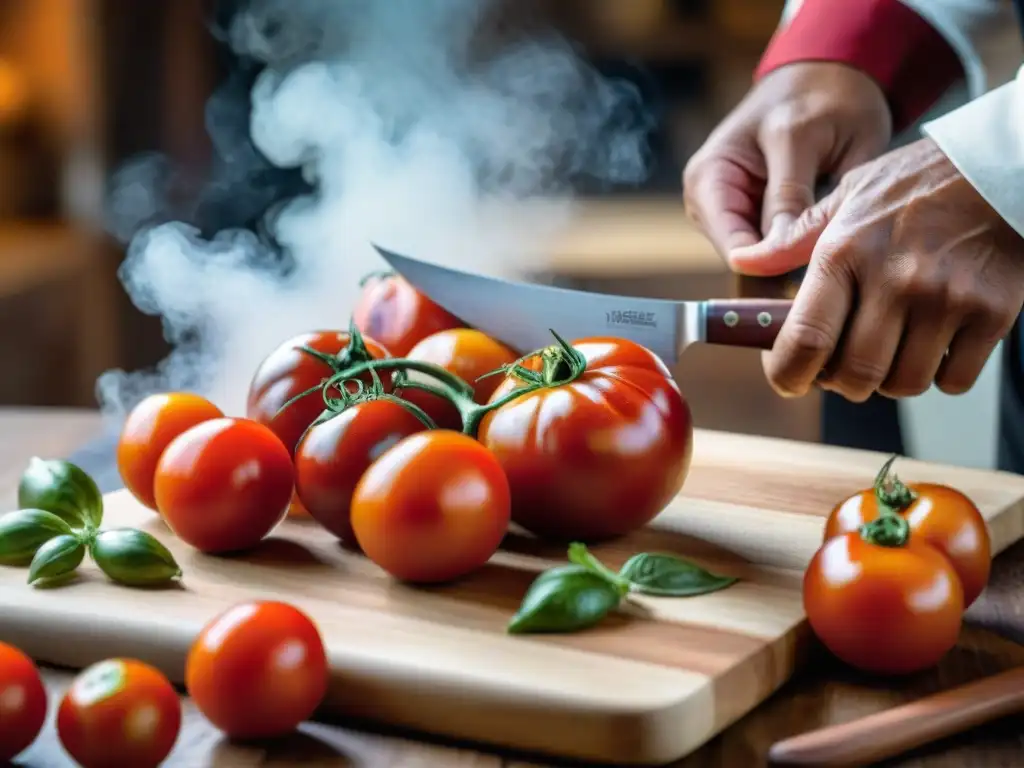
522, 315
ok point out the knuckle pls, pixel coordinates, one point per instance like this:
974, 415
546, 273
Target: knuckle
809, 338
861, 374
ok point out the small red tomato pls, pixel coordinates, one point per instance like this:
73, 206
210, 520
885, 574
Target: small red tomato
397, 315
22, 702
257, 670
942, 516
883, 609
119, 713
467, 353
593, 453
333, 456
223, 485
149, 429
288, 371
432, 508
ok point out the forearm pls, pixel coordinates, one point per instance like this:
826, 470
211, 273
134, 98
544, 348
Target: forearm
985, 141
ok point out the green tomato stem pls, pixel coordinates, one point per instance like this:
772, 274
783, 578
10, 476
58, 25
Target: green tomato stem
892, 495
889, 530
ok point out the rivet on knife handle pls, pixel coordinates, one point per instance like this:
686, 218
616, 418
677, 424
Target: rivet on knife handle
745, 322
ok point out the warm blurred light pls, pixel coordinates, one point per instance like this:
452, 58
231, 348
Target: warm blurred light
629, 19
13, 93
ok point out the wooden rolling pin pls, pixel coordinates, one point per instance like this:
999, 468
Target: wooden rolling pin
886, 734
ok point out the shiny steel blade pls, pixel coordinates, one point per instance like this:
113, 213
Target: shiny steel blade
522, 315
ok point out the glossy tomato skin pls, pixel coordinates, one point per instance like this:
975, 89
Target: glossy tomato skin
22, 702
469, 354
433, 508
398, 316
942, 516
333, 456
257, 670
119, 713
223, 485
286, 372
599, 457
149, 429
884, 610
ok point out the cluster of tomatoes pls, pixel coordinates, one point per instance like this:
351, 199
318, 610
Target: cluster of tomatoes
411, 476
256, 671
898, 567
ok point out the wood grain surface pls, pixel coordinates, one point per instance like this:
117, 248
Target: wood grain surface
823, 693
648, 686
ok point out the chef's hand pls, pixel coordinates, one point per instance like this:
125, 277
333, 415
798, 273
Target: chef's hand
759, 168
905, 260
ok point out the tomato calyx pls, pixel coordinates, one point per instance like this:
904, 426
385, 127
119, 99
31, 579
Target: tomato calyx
890, 490
380, 274
887, 530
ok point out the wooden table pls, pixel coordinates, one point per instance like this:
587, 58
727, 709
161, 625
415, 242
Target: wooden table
823, 696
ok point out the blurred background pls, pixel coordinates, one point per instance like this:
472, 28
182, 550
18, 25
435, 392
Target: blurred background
87, 85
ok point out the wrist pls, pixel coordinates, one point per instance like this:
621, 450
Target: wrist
884, 39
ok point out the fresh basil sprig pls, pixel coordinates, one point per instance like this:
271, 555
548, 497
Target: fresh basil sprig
577, 596
59, 522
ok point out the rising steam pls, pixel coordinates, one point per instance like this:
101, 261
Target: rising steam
412, 132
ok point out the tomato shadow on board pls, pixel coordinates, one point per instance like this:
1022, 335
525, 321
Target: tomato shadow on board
308, 745
275, 551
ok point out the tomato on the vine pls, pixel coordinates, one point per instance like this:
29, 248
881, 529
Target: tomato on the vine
333, 456
469, 354
22, 702
600, 443
257, 670
398, 316
432, 508
223, 485
888, 604
149, 429
938, 514
119, 713
288, 371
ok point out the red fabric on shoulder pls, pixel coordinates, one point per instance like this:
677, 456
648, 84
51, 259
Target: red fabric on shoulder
885, 39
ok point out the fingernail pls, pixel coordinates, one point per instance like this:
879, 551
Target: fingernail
780, 225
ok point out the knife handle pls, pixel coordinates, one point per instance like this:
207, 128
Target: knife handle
750, 323
886, 734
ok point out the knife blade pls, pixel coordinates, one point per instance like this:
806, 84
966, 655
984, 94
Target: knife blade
522, 315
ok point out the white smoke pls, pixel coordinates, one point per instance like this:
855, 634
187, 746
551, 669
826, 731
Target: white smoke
413, 138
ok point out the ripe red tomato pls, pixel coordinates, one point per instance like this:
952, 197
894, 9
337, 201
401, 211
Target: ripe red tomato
600, 456
223, 485
397, 315
257, 670
433, 508
287, 371
22, 702
883, 609
942, 516
333, 456
119, 713
467, 353
148, 430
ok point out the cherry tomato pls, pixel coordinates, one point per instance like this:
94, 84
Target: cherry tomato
942, 516
22, 702
597, 457
287, 371
883, 609
397, 315
467, 353
119, 712
257, 670
148, 430
333, 456
432, 508
224, 484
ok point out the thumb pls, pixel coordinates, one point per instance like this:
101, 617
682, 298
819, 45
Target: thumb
788, 245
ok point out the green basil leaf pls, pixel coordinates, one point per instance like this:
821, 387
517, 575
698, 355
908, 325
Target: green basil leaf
56, 558
134, 558
669, 576
565, 599
25, 531
64, 489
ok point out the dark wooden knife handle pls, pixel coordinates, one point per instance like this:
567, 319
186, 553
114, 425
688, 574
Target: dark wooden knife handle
886, 734
745, 322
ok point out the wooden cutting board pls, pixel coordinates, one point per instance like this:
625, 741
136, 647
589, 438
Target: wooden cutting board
647, 687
